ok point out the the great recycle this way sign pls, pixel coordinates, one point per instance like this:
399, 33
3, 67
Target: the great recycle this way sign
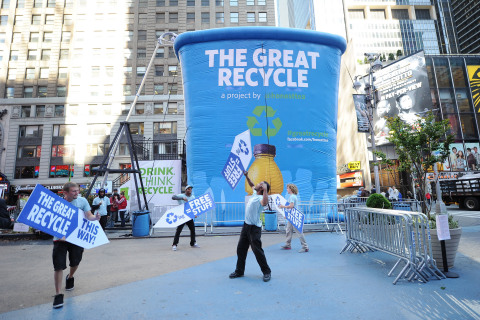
47, 212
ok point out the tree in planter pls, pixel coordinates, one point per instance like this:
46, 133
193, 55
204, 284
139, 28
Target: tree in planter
383, 160
415, 145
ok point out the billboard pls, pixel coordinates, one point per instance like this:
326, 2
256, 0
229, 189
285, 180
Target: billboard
282, 85
402, 90
474, 77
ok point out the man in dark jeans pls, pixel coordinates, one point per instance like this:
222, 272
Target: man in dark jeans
183, 198
252, 231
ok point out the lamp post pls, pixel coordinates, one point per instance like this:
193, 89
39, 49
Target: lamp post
375, 65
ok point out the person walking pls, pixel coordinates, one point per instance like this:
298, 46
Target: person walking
252, 231
292, 203
183, 198
100, 204
61, 247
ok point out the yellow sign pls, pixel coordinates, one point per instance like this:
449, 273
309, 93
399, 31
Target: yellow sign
474, 77
354, 165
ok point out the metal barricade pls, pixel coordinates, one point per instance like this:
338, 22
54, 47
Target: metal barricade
322, 215
226, 214
402, 234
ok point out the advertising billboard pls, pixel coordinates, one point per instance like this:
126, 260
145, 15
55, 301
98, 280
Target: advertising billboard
281, 85
402, 90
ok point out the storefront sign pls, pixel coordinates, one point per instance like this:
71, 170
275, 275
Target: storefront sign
354, 165
31, 187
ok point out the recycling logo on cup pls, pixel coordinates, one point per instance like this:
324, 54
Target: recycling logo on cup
270, 113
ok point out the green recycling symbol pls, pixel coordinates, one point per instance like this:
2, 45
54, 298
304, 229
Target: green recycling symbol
270, 113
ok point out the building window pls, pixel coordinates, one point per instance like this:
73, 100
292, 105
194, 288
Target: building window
66, 36
63, 151
30, 74
141, 71
46, 54
159, 71
61, 91
123, 149
172, 88
59, 110
26, 111
378, 14
205, 3
142, 35
356, 14
172, 70
158, 88
14, 55
28, 92
36, 19
219, 3
32, 55
262, 17
205, 17
172, 108
97, 149
25, 172
44, 73
127, 90
18, 20
142, 18
17, 37
250, 16
61, 171
9, 92
5, 4
191, 17
219, 17
422, 14
173, 3
139, 108
40, 111
3, 20
233, 3
160, 53
29, 152
34, 36
47, 37
12, 74
50, 3
98, 129
190, 3
49, 19
42, 92
233, 17
136, 128
64, 53
141, 53
158, 108
400, 14
250, 2
62, 73
30, 131
2, 37
63, 130
160, 18
262, 2
37, 3
173, 17
165, 127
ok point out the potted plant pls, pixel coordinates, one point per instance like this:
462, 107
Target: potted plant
451, 246
377, 200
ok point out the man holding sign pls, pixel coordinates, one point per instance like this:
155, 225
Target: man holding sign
252, 231
293, 191
183, 198
61, 247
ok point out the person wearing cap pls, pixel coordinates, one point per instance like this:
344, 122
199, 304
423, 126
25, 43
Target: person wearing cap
102, 202
182, 198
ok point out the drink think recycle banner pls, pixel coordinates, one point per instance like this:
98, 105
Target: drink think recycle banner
186, 211
47, 212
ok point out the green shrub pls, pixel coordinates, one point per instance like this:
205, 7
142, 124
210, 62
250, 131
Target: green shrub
377, 200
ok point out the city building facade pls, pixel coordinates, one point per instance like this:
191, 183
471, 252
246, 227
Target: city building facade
70, 70
466, 15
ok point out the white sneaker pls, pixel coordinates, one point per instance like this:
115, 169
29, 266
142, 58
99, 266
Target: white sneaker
195, 245
174, 248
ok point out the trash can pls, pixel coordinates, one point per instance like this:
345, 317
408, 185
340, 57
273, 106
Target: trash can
270, 220
140, 223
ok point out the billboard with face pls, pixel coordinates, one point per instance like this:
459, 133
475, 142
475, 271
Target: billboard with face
403, 91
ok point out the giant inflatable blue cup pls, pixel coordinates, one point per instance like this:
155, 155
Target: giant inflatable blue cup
280, 83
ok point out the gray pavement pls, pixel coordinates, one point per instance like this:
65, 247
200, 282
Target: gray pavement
144, 279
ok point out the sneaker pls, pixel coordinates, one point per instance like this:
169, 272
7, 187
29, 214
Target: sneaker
285, 247
234, 275
267, 277
303, 250
58, 301
69, 283
195, 245
174, 248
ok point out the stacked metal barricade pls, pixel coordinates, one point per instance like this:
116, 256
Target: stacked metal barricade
403, 234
